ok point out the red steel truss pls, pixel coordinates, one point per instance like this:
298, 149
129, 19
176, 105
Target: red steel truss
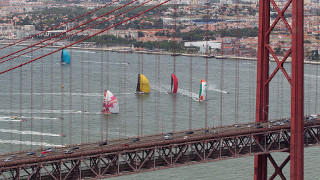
296, 82
153, 157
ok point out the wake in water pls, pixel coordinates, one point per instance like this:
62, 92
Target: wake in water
46, 111
160, 89
66, 94
28, 143
214, 88
180, 91
29, 132
8, 119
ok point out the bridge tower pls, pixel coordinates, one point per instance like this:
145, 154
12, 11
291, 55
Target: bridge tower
296, 51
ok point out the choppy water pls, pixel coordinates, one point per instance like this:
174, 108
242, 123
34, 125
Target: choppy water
50, 110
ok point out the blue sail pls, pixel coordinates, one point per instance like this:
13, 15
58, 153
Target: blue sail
65, 57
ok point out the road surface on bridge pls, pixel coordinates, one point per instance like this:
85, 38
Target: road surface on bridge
146, 141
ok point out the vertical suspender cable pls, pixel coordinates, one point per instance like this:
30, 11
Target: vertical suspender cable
309, 77
250, 78
125, 99
62, 102
174, 99
190, 74
282, 97
190, 94
20, 128
221, 74
101, 92
82, 92
51, 96
236, 93
11, 104
157, 104
31, 101
42, 98
88, 89
317, 74
141, 102
317, 71
120, 93
207, 65
278, 97
138, 102
70, 100
107, 119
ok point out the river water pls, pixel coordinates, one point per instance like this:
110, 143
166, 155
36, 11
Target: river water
54, 100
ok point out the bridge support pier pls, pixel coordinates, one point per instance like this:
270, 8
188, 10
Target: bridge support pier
262, 99
278, 169
296, 82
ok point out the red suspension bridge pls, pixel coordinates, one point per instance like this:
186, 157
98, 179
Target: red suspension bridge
201, 131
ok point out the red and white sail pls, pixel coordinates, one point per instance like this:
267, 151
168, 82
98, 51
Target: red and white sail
110, 103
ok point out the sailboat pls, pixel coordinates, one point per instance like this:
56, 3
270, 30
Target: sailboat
65, 57
110, 103
174, 84
143, 86
203, 90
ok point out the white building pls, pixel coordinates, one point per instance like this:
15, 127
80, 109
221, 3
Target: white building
203, 45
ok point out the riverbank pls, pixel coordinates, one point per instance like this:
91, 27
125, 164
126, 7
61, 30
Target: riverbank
124, 49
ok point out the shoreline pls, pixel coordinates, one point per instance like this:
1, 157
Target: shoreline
123, 49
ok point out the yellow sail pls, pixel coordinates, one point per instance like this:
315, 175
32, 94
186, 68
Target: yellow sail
144, 84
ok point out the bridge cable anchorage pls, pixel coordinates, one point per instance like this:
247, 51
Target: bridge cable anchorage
74, 32
137, 15
55, 27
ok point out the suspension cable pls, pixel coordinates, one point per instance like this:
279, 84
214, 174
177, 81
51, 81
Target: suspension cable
139, 14
58, 25
68, 31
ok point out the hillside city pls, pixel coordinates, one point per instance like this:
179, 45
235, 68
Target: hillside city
215, 27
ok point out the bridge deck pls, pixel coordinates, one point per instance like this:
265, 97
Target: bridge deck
146, 141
